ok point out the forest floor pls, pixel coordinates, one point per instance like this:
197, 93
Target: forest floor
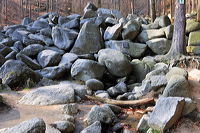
12, 113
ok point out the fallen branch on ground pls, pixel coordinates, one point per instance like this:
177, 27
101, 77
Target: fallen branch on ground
119, 102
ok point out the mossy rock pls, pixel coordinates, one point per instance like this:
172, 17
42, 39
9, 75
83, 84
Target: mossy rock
194, 39
193, 49
192, 25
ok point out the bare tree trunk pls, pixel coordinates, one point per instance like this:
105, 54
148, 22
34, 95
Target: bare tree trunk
189, 6
159, 7
1, 4
193, 5
99, 3
133, 6
163, 7
171, 7
152, 10
178, 46
198, 11
30, 8
47, 5
148, 9
6, 9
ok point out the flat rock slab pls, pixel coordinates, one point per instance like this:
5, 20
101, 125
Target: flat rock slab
50, 95
195, 73
167, 111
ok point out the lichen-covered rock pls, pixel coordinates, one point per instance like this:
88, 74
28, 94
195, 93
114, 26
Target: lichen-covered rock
159, 46
135, 50
166, 112
177, 87
48, 58
94, 84
54, 73
147, 35
116, 62
15, 73
103, 114
89, 40
84, 70
50, 95
94, 128
64, 126
194, 39
63, 38
113, 32
28, 61
35, 125
32, 50
192, 25
176, 71
130, 30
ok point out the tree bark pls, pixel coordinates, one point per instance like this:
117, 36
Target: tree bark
1, 3
171, 8
133, 6
193, 5
119, 102
178, 46
148, 9
152, 10
198, 11
99, 3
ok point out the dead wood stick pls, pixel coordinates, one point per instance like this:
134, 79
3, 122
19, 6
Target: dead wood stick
119, 102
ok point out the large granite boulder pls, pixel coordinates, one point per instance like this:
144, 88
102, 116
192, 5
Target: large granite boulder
48, 58
35, 125
94, 84
89, 13
163, 21
140, 69
89, 40
194, 39
131, 30
84, 69
176, 71
102, 114
192, 25
177, 87
68, 59
40, 24
27, 21
147, 35
32, 50
116, 62
50, 95
135, 50
15, 73
169, 31
54, 73
28, 61
63, 38
112, 33
166, 113
159, 46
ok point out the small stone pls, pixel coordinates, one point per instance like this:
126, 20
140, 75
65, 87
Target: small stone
94, 128
70, 109
94, 84
64, 126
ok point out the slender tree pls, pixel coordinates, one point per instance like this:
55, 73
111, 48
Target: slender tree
99, 4
152, 10
1, 3
133, 6
198, 11
178, 46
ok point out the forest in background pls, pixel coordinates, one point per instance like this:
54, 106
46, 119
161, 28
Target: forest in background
13, 11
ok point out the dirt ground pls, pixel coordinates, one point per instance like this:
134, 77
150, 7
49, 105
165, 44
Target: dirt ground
13, 113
